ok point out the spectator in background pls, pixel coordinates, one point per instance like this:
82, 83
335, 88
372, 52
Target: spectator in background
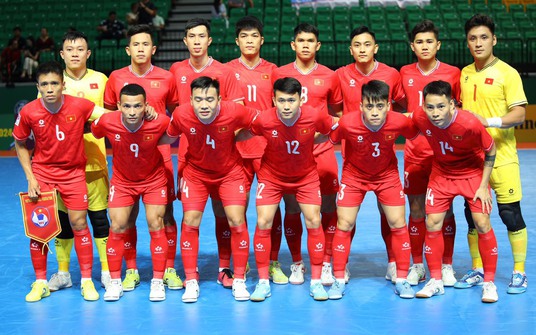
44, 42
146, 12
31, 59
17, 35
10, 62
111, 28
158, 25
239, 4
132, 16
219, 11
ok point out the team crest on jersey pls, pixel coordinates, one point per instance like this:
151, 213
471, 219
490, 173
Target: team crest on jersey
410, 82
488, 81
304, 131
319, 82
148, 137
93, 86
155, 84
70, 118
389, 137
352, 83
223, 129
457, 137
265, 76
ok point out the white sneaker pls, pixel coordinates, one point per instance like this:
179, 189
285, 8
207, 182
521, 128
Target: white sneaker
240, 291
448, 275
158, 291
105, 278
346, 274
327, 276
417, 274
191, 292
296, 276
433, 287
489, 292
114, 290
60, 280
391, 272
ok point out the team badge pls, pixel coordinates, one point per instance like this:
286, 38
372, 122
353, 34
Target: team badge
304, 131
319, 82
70, 118
265, 76
223, 129
155, 84
148, 137
94, 86
389, 137
457, 137
488, 81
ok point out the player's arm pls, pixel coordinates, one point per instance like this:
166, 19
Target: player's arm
400, 105
23, 154
514, 117
243, 135
166, 139
482, 192
335, 109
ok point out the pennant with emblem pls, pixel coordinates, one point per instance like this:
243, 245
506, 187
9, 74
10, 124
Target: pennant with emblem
304, 131
457, 137
70, 118
155, 84
488, 81
319, 82
40, 218
94, 86
223, 129
148, 137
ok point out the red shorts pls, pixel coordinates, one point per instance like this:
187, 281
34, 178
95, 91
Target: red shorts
165, 150
328, 172
442, 190
152, 194
353, 189
251, 167
416, 177
270, 190
195, 189
74, 195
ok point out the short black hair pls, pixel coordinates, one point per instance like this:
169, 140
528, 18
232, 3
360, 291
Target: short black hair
205, 82
49, 67
305, 27
248, 23
480, 20
139, 29
362, 30
375, 90
288, 85
73, 36
132, 90
438, 87
195, 22
425, 26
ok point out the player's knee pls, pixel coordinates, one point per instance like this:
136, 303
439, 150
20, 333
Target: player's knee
100, 223
511, 216
66, 230
468, 216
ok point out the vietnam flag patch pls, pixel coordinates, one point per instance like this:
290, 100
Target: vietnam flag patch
70, 118
488, 81
319, 82
304, 131
389, 137
457, 137
265, 76
155, 84
94, 86
223, 129
148, 137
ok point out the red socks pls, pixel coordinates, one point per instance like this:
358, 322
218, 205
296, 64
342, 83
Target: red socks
240, 248
131, 240
293, 233
329, 225
276, 235
386, 235
341, 249
190, 250
417, 232
487, 246
84, 250
449, 234
433, 250
223, 239
262, 246
171, 236
38, 253
159, 251
115, 248
402, 250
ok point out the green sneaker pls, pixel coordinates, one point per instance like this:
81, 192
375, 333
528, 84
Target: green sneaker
131, 281
276, 274
88, 291
172, 280
39, 290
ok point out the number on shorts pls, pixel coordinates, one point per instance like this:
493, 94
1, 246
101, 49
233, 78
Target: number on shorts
260, 188
429, 196
184, 187
112, 192
406, 179
340, 194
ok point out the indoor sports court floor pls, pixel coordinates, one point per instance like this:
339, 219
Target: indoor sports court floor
369, 306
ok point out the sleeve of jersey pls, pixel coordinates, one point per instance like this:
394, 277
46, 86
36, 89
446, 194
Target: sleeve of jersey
89, 108
173, 94
336, 92
232, 88
513, 90
324, 124
110, 99
256, 127
97, 128
398, 89
456, 90
485, 138
409, 130
336, 135
21, 130
173, 130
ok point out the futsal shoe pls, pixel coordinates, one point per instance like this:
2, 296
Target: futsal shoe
337, 290
172, 280
39, 290
191, 292
518, 283
346, 274
88, 290
327, 276
433, 287
60, 280
225, 278
447, 273
158, 291
417, 274
240, 291
132, 280
262, 291
471, 278
391, 272
318, 292
276, 274
403, 289
296, 276
489, 292
114, 290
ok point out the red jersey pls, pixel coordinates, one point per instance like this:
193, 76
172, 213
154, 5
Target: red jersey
185, 73
256, 85
136, 158
371, 153
414, 80
159, 86
289, 152
352, 79
58, 156
211, 148
458, 148
320, 87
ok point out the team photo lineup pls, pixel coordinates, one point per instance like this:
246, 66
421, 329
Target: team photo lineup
250, 119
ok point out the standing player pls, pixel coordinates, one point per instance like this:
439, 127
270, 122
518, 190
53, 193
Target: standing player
138, 170
464, 154
320, 89
363, 48
213, 167
161, 94
288, 167
493, 90
57, 119
89, 84
418, 155
256, 84
370, 165
197, 39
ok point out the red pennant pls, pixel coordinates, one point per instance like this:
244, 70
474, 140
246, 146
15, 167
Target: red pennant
40, 217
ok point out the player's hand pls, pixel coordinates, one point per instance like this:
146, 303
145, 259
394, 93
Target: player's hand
34, 190
484, 196
150, 113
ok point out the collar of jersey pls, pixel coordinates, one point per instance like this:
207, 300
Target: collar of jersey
305, 73
429, 72
142, 75
210, 60
293, 123
250, 67
48, 110
376, 64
